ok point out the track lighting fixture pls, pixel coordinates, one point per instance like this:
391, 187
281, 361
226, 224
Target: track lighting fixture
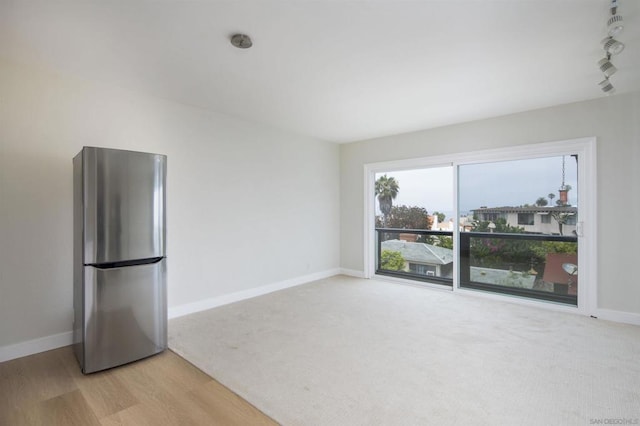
611, 46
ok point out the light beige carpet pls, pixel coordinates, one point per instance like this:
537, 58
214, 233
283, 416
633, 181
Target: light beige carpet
346, 351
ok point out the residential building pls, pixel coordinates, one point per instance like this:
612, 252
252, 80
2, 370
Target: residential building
533, 219
423, 259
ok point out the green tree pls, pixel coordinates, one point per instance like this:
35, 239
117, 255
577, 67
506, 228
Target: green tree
561, 217
391, 260
541, 202
386, 189
545, 247
408, 217
501, 226
443, 241
441, 216
499, 252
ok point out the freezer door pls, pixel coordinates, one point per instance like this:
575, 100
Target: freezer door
124, 205
125, 314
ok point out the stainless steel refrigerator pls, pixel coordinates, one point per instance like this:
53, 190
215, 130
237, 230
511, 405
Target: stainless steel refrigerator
120, 296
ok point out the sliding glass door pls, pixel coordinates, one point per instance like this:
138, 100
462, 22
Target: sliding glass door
514, 221
521, 226
414, 224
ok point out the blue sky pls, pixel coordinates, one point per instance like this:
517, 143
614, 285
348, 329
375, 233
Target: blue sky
498, 184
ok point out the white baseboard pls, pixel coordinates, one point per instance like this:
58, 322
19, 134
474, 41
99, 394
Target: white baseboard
202, 305
55, 341
352, 273
35, 346
618, 316
59, 340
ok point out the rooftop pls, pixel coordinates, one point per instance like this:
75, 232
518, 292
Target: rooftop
420, 252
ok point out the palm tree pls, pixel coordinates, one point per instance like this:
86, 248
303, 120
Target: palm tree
551, 196
386, 190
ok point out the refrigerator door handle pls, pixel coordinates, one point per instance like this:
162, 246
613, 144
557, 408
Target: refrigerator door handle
121, 264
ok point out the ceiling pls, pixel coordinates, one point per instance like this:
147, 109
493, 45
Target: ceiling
336, 70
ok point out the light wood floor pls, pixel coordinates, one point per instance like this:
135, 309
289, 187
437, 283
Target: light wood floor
49, 389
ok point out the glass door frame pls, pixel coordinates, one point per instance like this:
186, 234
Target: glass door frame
370, 245
585, 148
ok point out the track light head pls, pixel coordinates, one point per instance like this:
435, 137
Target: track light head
607, 68
615, 25
612, 46
607, 87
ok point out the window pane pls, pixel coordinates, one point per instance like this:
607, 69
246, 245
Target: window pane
520, 227
525, 218
420, 203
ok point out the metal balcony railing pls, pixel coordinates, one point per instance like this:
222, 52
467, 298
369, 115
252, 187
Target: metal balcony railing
424, 255
537, 266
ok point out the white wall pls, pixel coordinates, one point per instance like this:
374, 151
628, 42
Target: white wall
614, 121
247, 205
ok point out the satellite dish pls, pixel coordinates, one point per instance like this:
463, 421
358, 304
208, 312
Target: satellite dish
570, 268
